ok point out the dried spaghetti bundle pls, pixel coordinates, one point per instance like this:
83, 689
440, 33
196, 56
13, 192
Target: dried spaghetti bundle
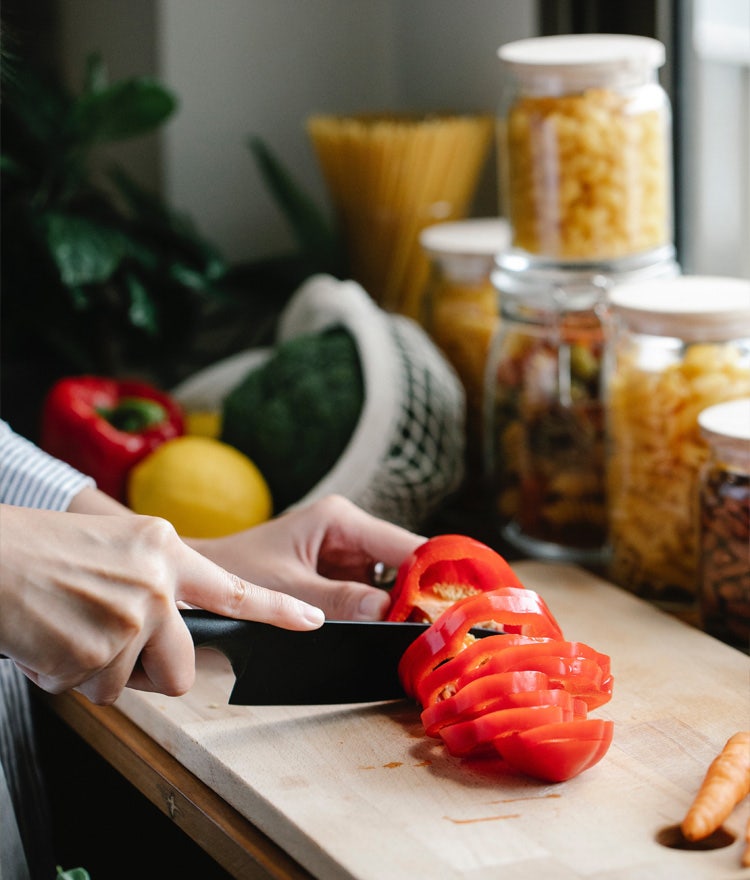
391, 176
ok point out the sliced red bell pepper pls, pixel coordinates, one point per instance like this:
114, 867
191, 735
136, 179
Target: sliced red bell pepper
442, 681
103, 427
480, 696
574, 666
508, 609
443, 570
476, 737
477, 694
558, 751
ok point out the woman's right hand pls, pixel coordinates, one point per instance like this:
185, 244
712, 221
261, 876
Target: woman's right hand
91, 601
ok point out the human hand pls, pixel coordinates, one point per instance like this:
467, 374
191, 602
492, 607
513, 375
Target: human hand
323, 553
91, 601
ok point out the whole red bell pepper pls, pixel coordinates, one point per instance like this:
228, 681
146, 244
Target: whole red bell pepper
443, 570
103, 426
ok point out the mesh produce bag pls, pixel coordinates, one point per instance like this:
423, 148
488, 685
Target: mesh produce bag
406, 453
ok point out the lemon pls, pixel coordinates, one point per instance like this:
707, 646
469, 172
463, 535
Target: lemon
203, 423
203, 486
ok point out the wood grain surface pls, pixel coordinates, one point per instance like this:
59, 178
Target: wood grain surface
359, 791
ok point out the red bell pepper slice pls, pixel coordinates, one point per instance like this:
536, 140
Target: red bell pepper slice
558, 751
476, 737
508, 609
443, 570
574, 666
103, 427
443, 681
480, 696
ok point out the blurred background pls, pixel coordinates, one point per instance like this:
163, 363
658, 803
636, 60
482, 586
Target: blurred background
242, 67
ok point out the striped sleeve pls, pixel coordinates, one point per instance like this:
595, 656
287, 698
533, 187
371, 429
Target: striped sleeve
29, 477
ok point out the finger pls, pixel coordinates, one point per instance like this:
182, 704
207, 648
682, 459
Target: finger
344, 600
167, 661
105, 686
376, 538
208, 586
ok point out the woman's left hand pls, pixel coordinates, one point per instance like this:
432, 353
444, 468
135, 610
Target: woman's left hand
323, 553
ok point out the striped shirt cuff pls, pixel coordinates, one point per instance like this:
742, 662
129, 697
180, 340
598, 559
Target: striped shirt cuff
29, 477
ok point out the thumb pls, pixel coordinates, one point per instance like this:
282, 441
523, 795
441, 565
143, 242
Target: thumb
346, 600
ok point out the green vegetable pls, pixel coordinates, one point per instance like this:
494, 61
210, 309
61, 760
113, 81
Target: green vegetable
72, 874
295, 415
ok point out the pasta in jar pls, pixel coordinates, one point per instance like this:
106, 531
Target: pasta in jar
585, 147
661, 380
461, 315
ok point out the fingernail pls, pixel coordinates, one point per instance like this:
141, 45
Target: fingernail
313, 615
372, 605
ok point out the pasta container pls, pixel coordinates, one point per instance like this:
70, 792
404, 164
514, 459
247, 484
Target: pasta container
461, 311
544, 409
585, 146
677, 347
724, 590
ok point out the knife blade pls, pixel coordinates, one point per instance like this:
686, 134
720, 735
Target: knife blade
342, 661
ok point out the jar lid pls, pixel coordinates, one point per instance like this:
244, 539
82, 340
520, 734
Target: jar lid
581, 60
696, 308
519, 274
482, 236
730, 419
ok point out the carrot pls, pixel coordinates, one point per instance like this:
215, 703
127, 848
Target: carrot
726, 783
745, 861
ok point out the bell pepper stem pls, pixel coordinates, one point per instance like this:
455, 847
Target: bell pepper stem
134, 414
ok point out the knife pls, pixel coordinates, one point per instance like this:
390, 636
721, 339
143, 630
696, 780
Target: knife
342, 661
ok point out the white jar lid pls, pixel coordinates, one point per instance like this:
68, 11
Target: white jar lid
696, 308
482, 236
730, 419
583, 60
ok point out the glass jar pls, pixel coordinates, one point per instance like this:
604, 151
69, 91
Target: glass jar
544, 410
677, 347
460, 310
724, 591
585, 146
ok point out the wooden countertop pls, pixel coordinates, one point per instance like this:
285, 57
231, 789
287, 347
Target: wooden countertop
360, 792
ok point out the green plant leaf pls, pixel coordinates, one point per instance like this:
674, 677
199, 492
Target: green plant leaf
123, 110
96, 78
314, 234
9, 166
174, 232
141, 309
72, 874
84, 251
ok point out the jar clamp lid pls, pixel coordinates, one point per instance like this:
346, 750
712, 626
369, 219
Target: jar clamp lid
466, 248
522, 276
695, 308
578, 61
730, 420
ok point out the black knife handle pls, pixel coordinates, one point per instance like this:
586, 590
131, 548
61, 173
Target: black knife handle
225, 634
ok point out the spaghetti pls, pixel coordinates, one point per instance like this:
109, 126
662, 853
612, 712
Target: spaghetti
391, 176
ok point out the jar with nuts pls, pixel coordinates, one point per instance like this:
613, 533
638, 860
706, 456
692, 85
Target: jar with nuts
724, 591
585, 146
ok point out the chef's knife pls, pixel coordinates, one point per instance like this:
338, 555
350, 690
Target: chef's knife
342, 661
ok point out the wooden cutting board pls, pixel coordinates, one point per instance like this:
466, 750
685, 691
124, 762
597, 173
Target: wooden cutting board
360, 792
